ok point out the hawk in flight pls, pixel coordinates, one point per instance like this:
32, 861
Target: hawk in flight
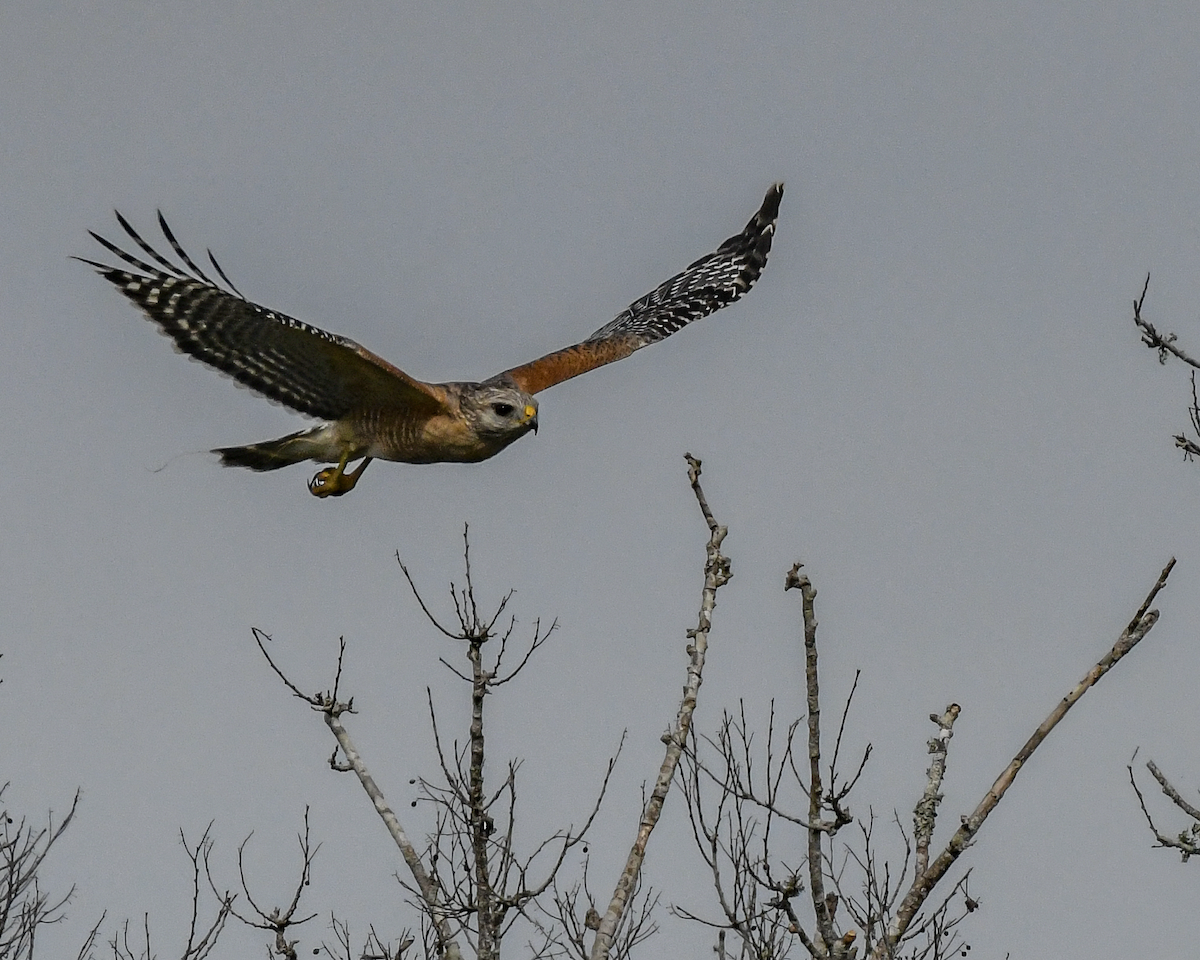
371, 409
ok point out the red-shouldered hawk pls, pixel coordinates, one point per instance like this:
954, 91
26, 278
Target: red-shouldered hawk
372, 410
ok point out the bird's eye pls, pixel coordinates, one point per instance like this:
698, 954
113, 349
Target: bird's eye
503, 409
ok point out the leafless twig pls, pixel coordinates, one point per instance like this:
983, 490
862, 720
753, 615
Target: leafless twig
1187, 841
1167, 345
331, 709
894, 911
482, 881
24, 906
201, 939
277, 921
375, 948
469, 880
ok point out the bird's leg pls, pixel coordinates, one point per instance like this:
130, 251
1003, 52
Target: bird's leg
350, 479
334, 481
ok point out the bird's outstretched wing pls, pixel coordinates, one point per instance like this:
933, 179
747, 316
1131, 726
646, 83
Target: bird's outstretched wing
300, 366
707, 285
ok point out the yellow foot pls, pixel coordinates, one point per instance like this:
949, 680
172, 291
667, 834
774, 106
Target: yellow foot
327, 483
335, 481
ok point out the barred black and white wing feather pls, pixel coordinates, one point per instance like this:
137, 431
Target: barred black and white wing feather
301, 366
706, 286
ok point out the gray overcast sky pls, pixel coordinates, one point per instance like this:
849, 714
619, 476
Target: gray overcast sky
935, 398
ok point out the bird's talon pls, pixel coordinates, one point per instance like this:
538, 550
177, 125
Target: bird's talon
325, 483
335, 481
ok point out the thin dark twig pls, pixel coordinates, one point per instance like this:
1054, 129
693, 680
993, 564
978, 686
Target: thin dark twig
538, 639
259, 637
421, 600
837, 746
1153, 339
1187, 842
1185, 443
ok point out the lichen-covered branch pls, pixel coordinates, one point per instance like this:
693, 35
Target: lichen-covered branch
925, 815
428, 890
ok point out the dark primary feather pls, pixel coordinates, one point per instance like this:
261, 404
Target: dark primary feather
301, 366
707, 285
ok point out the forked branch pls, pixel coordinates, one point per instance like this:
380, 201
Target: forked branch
1167, 345
924, 881
331, 709
1164, 344
1187, 841
24, 905
202, 938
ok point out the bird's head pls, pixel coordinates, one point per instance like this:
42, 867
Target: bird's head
504, 411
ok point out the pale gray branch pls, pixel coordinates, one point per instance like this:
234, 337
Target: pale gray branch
924, 881
717, 572
925, 815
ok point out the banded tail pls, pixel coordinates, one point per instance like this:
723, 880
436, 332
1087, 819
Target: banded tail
311, 444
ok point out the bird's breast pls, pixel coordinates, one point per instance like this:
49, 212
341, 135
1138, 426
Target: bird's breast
400, 436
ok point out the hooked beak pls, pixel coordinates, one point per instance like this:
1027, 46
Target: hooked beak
531, 417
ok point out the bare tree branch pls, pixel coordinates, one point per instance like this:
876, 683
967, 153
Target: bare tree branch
24, 906
816, 881
469, 880
925, 816
1165, 345
277, 921
1187, 841
201, 941
1172, 794
924, 881
717, 572
486, 886
756, 887
758, 895
331, 710
375, 948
